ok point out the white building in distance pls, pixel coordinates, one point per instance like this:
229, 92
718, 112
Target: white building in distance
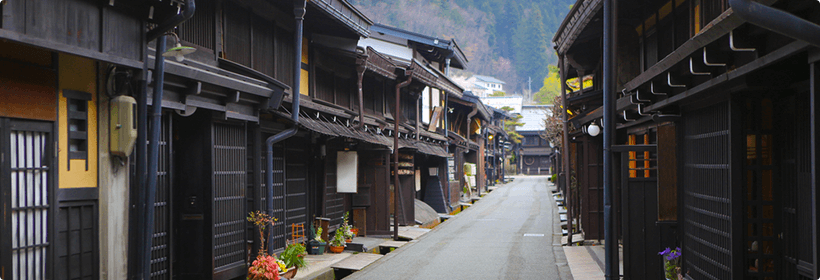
499, 102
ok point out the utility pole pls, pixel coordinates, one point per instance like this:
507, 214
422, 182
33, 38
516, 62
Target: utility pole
529, 85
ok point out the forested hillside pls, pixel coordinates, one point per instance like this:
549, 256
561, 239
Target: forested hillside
508, 39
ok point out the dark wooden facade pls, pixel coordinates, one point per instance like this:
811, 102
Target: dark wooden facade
714, 111
219, 106
534, 154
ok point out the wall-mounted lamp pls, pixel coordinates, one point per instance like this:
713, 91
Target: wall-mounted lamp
433, 171
593, 129
178, 52
490, 137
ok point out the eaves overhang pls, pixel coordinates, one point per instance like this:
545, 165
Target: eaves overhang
345, 13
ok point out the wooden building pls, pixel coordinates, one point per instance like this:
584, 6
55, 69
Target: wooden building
435, 164
534, 152
715, 138
494, 154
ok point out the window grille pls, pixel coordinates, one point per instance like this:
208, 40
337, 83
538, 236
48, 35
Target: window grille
199, 30
229, 159
77, 103
707, 222
30, 199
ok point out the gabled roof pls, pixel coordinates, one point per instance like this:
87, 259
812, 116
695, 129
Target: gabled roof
533, 117
437, 49
489, 79
482, 109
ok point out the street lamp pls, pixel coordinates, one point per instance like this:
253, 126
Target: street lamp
593, 129
179, 51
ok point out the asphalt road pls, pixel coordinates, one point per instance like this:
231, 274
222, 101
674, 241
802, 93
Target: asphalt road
509, 234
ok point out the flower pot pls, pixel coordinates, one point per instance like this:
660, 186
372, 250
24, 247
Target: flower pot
355, 231
316, 248
337, 249
290, 273
349, 240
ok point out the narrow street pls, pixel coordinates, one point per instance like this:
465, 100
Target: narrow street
508, 234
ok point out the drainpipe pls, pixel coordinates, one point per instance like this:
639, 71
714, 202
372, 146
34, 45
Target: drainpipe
447, 61
611, 244
156, 119
447, 136
299, 13
777, 20
396, 118
418, 116
361, 67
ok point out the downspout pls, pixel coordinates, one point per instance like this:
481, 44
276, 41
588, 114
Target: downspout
777, 20
447, 61
361, 67
418, 116
396, 118
611, 246
447, 136
299, 13
156, 119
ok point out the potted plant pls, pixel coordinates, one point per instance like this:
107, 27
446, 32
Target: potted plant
317, 244
293, 258
671, 263
337, 244
345, 228
265, 267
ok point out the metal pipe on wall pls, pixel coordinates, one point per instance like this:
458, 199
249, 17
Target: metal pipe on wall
360, 69
156, 123
299, 10
777, 20
396, 118
610, 243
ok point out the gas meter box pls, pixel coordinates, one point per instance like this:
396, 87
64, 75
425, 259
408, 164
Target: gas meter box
123, 125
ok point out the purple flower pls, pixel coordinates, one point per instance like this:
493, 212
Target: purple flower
674, 254
664, 252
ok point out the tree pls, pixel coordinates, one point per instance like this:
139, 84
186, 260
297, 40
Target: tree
554, 124
511, 124
551, 88
530, 41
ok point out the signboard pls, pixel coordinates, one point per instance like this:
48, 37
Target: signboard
347, 171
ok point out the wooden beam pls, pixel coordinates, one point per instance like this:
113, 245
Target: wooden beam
719, 27
634, 148
7, 35
773, 57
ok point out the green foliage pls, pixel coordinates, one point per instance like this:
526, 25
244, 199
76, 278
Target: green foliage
551, 87
510, 125
294, 255
317, 234
338, 238
498, 93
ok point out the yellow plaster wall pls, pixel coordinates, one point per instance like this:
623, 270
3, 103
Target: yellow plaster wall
304, 81
79, 74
